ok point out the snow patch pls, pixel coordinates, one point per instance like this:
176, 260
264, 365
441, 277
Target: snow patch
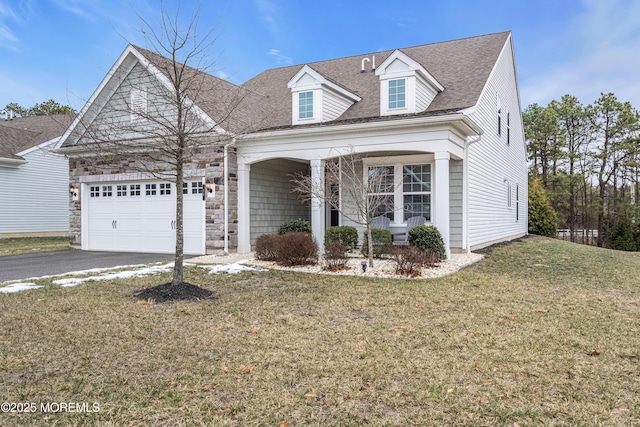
17, 287
234, 268
139, 270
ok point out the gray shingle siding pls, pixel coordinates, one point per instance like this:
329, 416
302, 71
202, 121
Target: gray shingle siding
455, 203
272, 201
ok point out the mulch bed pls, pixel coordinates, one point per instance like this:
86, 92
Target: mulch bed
168, 292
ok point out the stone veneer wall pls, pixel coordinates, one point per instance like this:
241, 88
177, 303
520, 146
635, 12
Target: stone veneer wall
208, 161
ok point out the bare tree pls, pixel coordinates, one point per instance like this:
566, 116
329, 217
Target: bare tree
158, 121
361, 195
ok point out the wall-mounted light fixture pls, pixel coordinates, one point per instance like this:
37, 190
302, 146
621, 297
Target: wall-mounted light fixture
210, 187
73, 190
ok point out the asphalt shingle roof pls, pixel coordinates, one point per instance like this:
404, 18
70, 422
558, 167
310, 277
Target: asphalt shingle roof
264, 102
23, 133
461, 66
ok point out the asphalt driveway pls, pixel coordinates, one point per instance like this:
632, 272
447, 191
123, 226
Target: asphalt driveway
20, 267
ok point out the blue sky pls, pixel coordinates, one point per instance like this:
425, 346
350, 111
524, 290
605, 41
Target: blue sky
62, 49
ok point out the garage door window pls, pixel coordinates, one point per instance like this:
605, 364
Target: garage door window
134, 189
196, 187
121, 190
150, 189
94, 191
165, 189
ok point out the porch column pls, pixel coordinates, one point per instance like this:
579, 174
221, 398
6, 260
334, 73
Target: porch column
441, 200
317, 202
244, 208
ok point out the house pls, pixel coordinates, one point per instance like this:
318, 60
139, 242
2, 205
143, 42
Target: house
443, 119
34, 195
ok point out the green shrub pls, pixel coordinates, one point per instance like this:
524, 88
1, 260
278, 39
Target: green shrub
382, 239
294, 226
296, 248
543, 220
428, 239
621, 237
346, 235
266, 247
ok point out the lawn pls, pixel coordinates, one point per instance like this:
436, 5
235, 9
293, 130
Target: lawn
31, 245
541, 332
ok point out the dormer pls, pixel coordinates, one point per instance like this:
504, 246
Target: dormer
406, 87
316, 99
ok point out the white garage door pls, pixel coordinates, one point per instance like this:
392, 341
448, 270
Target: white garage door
140, 216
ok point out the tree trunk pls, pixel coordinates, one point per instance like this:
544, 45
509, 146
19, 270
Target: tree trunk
179, 255
370, 242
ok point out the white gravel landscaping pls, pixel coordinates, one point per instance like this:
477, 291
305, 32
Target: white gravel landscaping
382, 268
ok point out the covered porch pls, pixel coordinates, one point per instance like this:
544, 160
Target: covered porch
426, 167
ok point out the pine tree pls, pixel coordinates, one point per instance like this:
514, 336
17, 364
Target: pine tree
542, 218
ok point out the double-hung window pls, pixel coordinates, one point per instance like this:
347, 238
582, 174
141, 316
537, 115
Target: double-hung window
416, 190
381, 191
397, 94
400, 190
305, 106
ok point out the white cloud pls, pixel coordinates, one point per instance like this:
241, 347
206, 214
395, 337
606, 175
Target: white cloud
268, 11
8, 39
605, 39
77, 7
279, 57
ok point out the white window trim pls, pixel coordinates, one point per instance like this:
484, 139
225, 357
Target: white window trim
313, 109
317, 106
509, 193
389, 108
398, 162
409, 95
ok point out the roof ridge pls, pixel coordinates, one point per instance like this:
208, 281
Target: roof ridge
301, 64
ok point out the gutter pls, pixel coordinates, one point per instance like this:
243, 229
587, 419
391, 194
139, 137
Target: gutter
13, 163
372, 125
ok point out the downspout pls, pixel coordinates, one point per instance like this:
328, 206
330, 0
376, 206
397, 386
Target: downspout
466, 190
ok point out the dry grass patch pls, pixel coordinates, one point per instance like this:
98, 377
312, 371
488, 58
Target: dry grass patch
30, 245
541, 332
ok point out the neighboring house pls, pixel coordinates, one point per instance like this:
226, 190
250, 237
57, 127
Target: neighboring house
443, 118
34, 195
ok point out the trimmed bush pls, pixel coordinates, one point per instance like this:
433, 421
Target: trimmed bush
295, 226
346, 235
382, 239
296, 248
408, 259
266, 247
428, 238
335, 256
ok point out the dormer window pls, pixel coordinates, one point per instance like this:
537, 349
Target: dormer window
314, 99
406, 87
397, 94
305, 107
